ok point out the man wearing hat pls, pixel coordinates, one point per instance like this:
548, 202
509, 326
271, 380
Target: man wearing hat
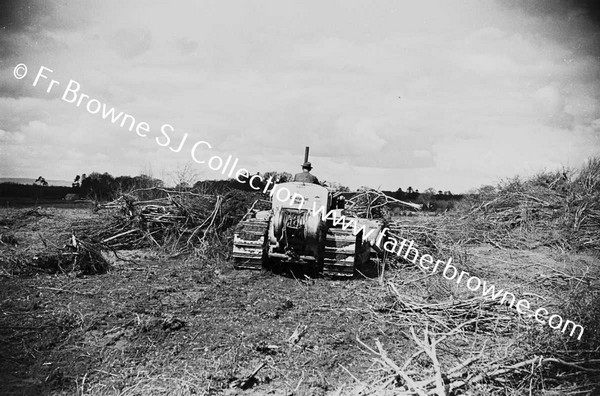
305, 176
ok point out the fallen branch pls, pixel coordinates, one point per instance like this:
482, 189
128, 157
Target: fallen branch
247, 381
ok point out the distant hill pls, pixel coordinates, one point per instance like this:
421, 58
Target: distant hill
22, 180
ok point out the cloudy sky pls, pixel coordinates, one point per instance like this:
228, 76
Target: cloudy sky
443, 94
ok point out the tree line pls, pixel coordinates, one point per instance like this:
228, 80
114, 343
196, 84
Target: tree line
103, 186
431, 199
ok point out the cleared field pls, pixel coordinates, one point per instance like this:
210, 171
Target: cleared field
160, 325
20, 202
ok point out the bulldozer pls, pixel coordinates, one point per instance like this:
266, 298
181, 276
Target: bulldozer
295, 236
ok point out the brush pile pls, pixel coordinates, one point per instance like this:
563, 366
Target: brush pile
373, 204
551, 209
560, 209
175, 221
76, 256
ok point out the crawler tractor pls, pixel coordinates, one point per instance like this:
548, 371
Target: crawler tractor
290, 233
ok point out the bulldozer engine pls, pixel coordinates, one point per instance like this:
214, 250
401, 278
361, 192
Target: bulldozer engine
292, 233
290, 226
296, 235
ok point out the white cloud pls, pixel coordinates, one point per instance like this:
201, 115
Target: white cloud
389, 94
129, 43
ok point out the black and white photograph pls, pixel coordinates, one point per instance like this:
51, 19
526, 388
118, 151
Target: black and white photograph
300, 198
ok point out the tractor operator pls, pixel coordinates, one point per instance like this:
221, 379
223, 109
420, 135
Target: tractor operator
305, 176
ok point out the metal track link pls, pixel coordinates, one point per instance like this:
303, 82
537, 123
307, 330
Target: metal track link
249, 244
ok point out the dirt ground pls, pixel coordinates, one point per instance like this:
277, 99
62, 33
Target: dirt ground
158, 325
